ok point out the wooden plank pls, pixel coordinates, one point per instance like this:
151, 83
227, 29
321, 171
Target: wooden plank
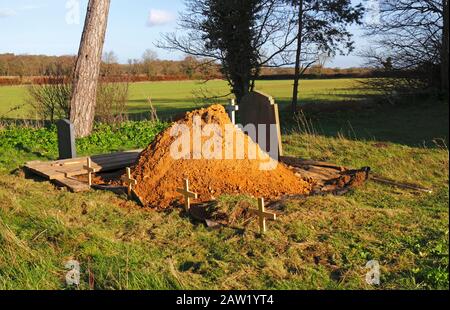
100, 166
73, 170
37, 172
299, 162
73, 185
400, 185
82, 160
56, 163
104, 168
109, 165
306, 174
117, 154
73, 167
326, 173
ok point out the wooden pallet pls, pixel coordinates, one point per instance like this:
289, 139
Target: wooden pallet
63, 172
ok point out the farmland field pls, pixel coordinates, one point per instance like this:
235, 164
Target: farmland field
170, 97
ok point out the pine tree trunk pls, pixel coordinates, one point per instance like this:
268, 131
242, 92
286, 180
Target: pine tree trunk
298, 58
87, 68
445, 52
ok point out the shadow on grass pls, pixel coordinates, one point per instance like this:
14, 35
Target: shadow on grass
413, 124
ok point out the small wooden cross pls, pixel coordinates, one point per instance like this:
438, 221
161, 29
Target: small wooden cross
187, 195
90, 170
263, 215
231, 110
129, 181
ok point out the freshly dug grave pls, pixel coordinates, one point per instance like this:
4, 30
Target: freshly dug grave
159, 175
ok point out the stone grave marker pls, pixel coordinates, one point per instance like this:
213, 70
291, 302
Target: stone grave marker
66, 139
260, 109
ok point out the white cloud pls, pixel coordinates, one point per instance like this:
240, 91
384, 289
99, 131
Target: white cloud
159, 18
6, 12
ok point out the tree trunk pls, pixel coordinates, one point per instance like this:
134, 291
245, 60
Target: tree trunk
298, 58
444, 52
87, 68
241, 87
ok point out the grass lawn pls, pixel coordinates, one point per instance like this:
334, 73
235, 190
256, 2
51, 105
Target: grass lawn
171, 98
318, 242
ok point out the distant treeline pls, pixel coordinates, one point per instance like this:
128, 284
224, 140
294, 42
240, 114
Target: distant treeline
315, 76
23, 69
317, 72
40, 69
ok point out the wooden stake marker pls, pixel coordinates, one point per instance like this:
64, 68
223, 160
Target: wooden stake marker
90, 170
231, 110
129, 181
263, 215
187, 195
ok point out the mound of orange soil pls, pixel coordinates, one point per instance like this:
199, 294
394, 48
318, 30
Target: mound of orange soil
159, 173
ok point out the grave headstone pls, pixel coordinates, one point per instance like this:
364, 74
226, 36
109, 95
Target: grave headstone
66, 139
260, 109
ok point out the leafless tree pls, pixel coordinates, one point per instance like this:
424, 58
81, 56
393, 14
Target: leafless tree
112, 101
51, 100
412, 36
241, 35
322, 28
149, 59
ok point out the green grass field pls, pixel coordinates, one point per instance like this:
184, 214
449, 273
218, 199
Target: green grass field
421, 121
179, 96
317, 243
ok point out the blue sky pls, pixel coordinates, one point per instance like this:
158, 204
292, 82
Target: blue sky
53, 27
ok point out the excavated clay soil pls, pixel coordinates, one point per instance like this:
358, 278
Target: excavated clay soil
159, 175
